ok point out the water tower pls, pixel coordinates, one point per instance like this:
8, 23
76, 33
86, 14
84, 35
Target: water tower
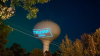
54, 29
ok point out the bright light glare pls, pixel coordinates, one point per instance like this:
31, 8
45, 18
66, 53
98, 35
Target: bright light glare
41, 32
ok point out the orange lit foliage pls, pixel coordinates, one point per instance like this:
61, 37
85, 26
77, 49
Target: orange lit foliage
88, 46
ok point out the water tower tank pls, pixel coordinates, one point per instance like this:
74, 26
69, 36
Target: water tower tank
55, 30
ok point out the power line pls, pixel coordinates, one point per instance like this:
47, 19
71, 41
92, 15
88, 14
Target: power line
32, 36
19, 27
29, 32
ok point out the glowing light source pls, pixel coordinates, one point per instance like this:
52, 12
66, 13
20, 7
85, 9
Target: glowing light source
41, 32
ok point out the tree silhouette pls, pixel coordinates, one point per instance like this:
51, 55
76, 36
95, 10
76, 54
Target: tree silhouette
28, 5
57, 53
48, 53
10, 52
17, 50
4, 31
36, 52
28, 54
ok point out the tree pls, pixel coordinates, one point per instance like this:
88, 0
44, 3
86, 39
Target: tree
17, 50
89, 45
78, 47
5, 12
22, 52
48, 53
71, 49
86, 47
4, 31
96, 39
36, 52
67, 47
27, 54
28, 5
57, 53
10, 52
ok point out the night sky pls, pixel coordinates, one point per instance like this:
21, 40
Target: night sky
75, 17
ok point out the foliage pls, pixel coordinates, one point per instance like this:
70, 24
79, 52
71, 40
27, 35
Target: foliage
28, 54
6, 13
67, 47
48, 53
71, 49
36, 52
28, 5
78, 48
92, 43
57, 53
4, 31
10, 52
89, 45
17, 50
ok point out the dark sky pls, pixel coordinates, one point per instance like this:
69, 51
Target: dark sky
75, 17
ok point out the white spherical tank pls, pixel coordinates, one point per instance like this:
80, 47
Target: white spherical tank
54, 29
